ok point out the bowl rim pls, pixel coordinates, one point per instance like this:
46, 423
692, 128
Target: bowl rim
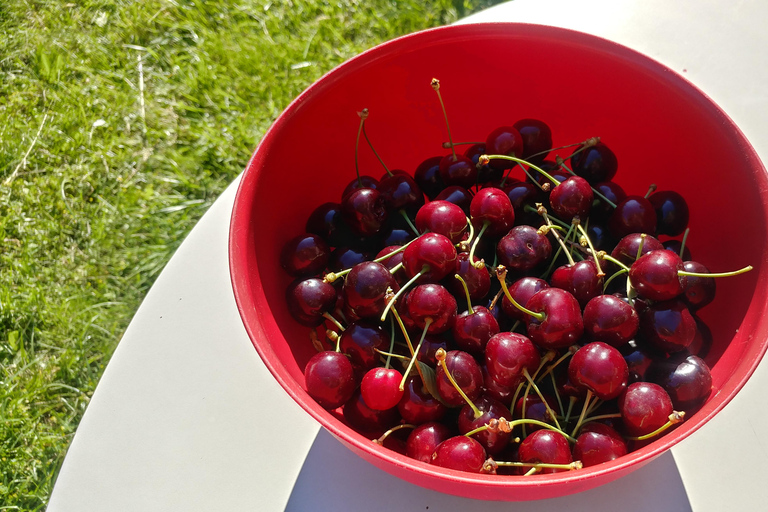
359, 443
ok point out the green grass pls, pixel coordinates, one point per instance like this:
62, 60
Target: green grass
120, 123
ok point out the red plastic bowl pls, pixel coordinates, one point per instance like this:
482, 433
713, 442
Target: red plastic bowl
663, 130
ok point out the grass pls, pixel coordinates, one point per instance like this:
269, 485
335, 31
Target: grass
120, 123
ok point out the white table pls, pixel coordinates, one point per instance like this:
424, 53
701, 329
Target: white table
186, 416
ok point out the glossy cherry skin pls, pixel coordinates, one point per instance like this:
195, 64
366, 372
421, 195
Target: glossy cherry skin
478, 279
365, 211
444, 218
461, 453
507, 355
600, 209
400, 192
546, 446
667, 326
362, 182
360, 341
523, 249
671, 212
626, 250
458, 170
491, 409
537, 139
485, 173
325, 221
571, 198
562, 325
364, 418
611, 320
644, 407
655, 275
472, 330
595, 164
330, 379
417, 406
423, 440
343, 258
635, 214
522, 194
495, 390
393, 261
599, 368
580, 279
459, 196
491, 207
365, 288
427, 175
309, 299
686, 378
598, 443
434, 304
521, 290
505, 140
698, 291
467, 374
380, 388
675, 246
638, 360
304, 255
433, 252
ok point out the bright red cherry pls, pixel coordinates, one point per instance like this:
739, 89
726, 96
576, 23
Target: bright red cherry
444, 218
423, 440
522, 290
490, 409
491, 207
507, 354
571, 198
546, 446
461, 453
598, 443
417, 406
655, 275
599, 368
580, 279
473, 329
626, 250
505, 140
432, 253
611, 320
330, 379
561, 325
467, 374
433, 304
645, 407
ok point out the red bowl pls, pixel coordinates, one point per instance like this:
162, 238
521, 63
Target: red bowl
662, 129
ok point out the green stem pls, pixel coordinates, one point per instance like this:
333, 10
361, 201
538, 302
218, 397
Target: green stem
715, 274
466, 292
401, 291
408, 221
415, 356
583, 412
682, 244
375, 153
501, 274
441, 360
614, 276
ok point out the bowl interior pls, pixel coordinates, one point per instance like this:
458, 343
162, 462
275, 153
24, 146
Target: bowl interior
662, 129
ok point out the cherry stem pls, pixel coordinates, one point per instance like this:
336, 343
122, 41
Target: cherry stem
436, 86
501, 275
602, 417
521, 161
410, 347
466, 292
408, 221
397, 267
551, 266
474, 245
557, 394
363, 116
391, 341
375, 153
509, 425
590, 142
651, 190
571, 402
594, 190
414, 356
495, 300
542, 465
583, 231
682, 244
571, 350
316, 341
543, 212
610, 258
529, 208
529, 175
440, 355
335, 322
392, 354
333, 336
541, 397
715, 274
640, 246
532, 471
465, 243
564, 147
447, 145
332, 276
614, 276
583, 413
385, 435
391, 302
674, 418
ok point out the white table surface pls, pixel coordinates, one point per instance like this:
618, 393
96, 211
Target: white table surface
187, 417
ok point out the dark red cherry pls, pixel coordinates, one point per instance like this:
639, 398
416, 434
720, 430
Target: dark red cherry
364, 210
461, 453
429, 347
362, 417
490, 409
546, 446
467, 374
686, 378
531, 407
571, 198
326, 222
330, 379
400, 192
304, 255
655, 275
423, 440
355, 184
675, 246
645, 407
458, 170
702, 341
522, 194
417, 406
537, 139
505, 140
611, 320
598, 443
667, 326
360, 341
491, 207
434, 304
380, 388
671, 212
698, 291
595, 164
626, 250
472, 330
638, 360
599, 368
431, 252
343, 258
365, 289
523, 249
393, 261
459, 196
635, 214
521, 290
600, 238
444, 218
580, 279
562, 325
478, 279
309, 299
601, 209
507, 354
427, 175
495, 390
485, 173
554, 170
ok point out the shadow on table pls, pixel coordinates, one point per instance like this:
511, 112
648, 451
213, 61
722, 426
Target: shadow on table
333, 478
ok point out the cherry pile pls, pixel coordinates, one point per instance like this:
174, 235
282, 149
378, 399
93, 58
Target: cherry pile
514, 325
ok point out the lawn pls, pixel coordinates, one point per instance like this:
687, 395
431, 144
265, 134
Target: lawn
120, 123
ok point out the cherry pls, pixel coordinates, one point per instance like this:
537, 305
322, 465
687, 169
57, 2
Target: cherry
491, 210
459, 196
599, 368
444, 218
393, 261
671, 212
485, 173
431, 253
427, 175
702, 341
655, 276
505, 140
507, 355
326, 222
560, 324
522, 194
429, 347
304, 255
535, 409
698, 291
360, 341
343, 258
595, 164
433, 306
465, 372
401, 193
492, 440
358, 183
613, 192
365, 288
635, 214
675, 246
522, 290
571, 198
611, 320
580, 279
461, 453
458, 170
626, 250
545, 446
537, 139
601, 239
380, 388
364, 209
417, 405
495, 390
598, 443
362, 417
523, 249
330, 379
667, 326
473, 328
309, 299
645, 407
478, 280
686, 378
423, 440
